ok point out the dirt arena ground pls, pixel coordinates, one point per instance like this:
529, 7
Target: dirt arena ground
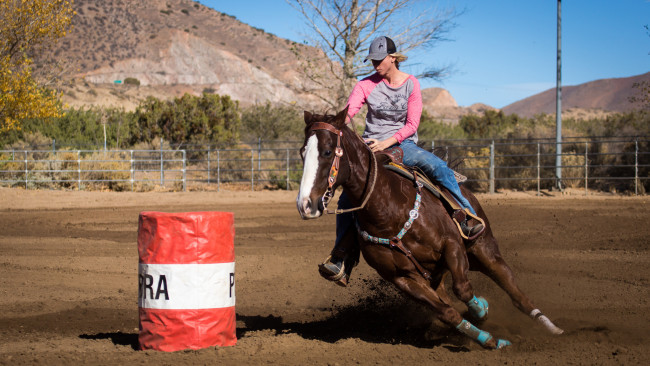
69, 285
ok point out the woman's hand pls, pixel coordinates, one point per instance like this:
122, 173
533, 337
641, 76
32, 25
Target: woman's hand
376, 145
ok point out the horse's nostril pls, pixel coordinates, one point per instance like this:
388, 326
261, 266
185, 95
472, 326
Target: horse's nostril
306, 205
321, 206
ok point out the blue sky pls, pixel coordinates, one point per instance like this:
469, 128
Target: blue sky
504, 51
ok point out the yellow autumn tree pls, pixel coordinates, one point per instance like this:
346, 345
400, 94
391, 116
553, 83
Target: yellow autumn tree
26, 28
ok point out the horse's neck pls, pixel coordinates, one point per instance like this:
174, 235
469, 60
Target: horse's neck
359, 159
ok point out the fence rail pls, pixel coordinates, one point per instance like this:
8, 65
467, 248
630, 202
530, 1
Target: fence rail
621, 165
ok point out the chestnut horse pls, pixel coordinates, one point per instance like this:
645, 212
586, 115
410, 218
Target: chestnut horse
429, 246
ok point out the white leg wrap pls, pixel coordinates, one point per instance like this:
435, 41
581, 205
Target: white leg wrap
546, 322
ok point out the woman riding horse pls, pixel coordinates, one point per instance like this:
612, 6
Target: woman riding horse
394, 108
428, 244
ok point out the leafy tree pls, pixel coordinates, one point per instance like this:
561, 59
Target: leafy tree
26, 28
82, 128
148, 113
272, 122
209, 118
496, 124
344, 30
432, 129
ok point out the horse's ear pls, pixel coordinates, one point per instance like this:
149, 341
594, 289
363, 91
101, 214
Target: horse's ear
308, 117
339, 120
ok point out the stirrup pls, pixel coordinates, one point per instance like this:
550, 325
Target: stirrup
471, 232
460, 218
341, 278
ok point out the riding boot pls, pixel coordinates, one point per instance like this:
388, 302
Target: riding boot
468, 230
345, 255
337, 268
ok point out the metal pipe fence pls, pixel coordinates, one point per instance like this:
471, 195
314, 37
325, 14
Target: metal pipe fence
606, 165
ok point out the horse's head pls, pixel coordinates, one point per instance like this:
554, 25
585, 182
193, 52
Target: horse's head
321, 153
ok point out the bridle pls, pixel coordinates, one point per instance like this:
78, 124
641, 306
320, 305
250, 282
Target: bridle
334, 169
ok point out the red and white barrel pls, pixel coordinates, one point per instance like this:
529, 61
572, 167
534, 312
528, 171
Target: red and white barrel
186, 278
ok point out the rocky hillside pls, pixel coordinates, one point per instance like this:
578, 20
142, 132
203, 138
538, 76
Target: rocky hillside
174, 47
171, 47
605, 95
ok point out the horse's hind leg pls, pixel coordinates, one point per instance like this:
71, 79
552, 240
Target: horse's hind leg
456, 260
418, 288
489, 261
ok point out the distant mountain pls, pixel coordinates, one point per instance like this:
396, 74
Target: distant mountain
608, 95
439, 103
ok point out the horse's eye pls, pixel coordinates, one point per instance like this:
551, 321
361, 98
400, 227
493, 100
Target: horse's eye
327, 153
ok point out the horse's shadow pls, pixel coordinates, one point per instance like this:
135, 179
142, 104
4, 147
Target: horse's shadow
382, 317
391, 323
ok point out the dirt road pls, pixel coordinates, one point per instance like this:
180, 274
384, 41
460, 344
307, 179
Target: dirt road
69, 284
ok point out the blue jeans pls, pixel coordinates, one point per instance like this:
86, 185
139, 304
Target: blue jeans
435, 168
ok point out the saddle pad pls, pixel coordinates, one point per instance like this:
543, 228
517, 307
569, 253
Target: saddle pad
459, 177
430, 186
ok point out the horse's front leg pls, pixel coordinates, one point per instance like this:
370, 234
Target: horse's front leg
418, 288
489, 261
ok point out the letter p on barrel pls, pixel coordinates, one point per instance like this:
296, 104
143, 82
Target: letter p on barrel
186, 280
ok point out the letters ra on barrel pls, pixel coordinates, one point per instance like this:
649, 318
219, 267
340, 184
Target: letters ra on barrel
186, 280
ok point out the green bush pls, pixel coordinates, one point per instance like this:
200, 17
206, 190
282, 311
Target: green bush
208, 119
132, 81
432, 129
270, 122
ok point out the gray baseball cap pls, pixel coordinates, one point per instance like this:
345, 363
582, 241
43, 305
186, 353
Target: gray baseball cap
380, 48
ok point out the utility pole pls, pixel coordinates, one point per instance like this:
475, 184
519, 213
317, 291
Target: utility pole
558, 102
104, 120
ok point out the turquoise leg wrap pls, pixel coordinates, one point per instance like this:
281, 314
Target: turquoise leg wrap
478, 307
473, 332
503, 343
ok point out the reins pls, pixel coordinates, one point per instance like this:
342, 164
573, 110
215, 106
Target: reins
334, 170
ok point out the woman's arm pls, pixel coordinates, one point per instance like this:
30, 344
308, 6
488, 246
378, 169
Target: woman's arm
376, 145
355, 101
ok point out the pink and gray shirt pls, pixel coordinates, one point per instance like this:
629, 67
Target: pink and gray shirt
392, 111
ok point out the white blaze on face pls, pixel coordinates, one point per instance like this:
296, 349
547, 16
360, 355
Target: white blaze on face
309, 171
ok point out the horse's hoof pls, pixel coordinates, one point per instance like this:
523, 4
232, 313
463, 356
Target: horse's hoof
502, 343
546, 322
